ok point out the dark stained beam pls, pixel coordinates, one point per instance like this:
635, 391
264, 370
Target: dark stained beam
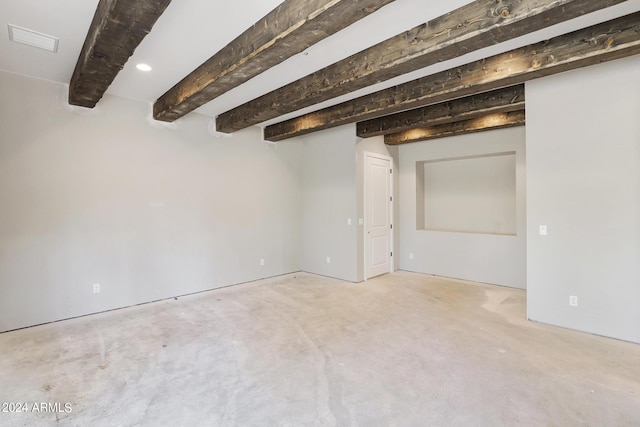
117, 28
478, 124
287, 30
483, 104
476, 25
618, 38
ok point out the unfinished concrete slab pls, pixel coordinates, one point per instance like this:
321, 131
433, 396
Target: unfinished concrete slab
403, 349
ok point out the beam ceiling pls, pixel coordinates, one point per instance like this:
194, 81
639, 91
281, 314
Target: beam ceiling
607, 41
476, 25
117, 28
483, 104
461, 127
285, 31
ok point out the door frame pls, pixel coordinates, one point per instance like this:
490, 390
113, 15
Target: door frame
366, 155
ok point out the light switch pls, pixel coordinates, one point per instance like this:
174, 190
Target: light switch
543, 230
348, 221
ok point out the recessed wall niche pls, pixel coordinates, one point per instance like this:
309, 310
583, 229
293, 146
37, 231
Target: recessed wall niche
475, 194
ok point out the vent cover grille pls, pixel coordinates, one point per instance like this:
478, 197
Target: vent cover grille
33, 38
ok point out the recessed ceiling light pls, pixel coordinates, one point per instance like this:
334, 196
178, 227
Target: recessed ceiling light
143, 67
32, 38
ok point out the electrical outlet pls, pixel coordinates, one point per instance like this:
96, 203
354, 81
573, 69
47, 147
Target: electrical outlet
261, 261
328, 260
96, 288
411, 256
573, 301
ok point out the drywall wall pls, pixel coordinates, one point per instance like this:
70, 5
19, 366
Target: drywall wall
489, 258
328, 202
483, 185
333, 200
146, 211
583, 177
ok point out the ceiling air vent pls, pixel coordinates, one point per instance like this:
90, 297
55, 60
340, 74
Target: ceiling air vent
32, 38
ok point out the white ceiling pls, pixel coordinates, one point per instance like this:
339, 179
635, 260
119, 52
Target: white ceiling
191, 31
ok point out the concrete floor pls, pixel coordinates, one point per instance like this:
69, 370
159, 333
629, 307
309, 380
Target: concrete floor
403, 349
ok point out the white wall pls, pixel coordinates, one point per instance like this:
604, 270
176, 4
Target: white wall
148, 212
497, 259
583, 175
328, 201
109, 196
483, 190
333, 193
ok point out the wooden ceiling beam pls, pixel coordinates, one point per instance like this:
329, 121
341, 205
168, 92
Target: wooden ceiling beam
285, 31
462, 127
497, 101
117, 28
476, 25
618, 38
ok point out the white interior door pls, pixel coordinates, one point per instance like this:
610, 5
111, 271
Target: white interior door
378, 215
